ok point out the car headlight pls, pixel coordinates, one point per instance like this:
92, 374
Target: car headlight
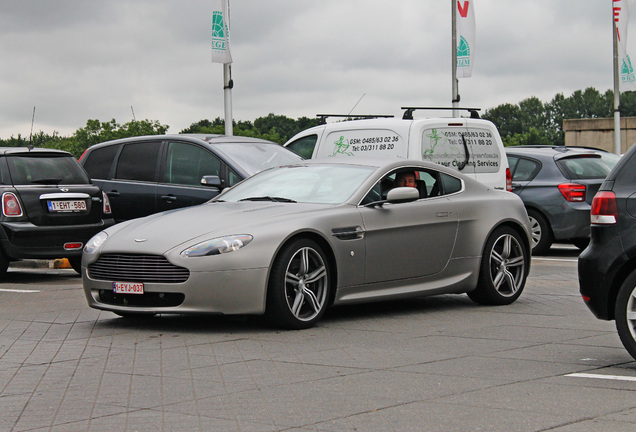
95, 243
218, 246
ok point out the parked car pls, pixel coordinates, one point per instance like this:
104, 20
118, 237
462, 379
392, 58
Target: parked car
607, 268
472, 146
292, 240
150, 174
557, 184
50, 208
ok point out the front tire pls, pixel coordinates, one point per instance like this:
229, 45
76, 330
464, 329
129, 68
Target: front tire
299, 285
625, 314
504, 269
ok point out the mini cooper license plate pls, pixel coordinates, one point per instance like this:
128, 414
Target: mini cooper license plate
67, 206
128, 287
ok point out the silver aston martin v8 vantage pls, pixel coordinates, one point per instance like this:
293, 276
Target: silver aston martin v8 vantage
293, 240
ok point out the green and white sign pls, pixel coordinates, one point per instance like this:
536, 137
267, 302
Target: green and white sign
221, 33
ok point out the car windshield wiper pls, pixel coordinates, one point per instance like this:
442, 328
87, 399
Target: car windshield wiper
268, 198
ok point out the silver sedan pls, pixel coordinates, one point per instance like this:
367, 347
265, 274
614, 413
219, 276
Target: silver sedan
291, 241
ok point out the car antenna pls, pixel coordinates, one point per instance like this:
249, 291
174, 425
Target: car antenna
354, 107
30, 146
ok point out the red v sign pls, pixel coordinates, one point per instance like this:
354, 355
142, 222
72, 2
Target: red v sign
463, 10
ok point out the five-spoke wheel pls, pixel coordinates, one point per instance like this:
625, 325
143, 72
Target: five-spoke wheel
298, 290
503, 270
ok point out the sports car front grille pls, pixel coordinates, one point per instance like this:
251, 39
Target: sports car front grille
137, 268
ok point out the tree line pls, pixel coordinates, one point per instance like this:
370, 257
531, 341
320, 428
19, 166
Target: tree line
530, 121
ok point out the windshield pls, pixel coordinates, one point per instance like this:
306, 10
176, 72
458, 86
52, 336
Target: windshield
320, 184
46, 169
256, 157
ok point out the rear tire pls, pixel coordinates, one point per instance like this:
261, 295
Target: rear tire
76, 264
503, 271
299, 284
4, 265
541, 233
625, 313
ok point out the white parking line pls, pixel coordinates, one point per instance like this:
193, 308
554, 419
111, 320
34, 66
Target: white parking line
599, 376
555, 259
19, 290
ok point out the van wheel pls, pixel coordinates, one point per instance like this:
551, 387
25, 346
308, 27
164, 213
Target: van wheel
625, 313
541, 233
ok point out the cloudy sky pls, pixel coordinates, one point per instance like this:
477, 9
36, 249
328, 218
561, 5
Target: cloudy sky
76, 60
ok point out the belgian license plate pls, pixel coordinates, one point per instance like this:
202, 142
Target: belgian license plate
128, 287
67, 206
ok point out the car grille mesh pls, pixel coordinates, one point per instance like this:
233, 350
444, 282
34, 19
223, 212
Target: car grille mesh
137, 268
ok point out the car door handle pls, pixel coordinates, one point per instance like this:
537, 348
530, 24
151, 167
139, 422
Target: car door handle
114, 194
169, 198
443, 214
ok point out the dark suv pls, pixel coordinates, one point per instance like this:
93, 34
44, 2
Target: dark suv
50, 208
148, 174
607, 268
557, 184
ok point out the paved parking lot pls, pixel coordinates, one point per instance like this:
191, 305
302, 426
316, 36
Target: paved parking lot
431, 364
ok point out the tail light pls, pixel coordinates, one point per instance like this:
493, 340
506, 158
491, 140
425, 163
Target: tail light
11, 205
573, 192
604, 208
106, 203
508, 180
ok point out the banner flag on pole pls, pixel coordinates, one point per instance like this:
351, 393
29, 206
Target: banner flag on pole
622, 10
221, 33
465, 37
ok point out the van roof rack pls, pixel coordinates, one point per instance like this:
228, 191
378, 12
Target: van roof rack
408, 114
323, 117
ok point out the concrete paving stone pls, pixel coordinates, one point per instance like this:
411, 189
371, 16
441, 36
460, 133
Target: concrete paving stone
572, 401
432, 416
503, 369
568, 353
596, 425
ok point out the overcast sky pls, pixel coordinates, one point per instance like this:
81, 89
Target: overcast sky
76, 60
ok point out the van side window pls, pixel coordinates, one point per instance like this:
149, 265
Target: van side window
100, 161
304, 147
138, 161
186, 164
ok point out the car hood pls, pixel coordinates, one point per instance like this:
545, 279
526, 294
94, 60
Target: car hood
161, 232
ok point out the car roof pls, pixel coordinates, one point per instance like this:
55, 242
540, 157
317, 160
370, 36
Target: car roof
556, 152
25, 150
378, 162
200, 138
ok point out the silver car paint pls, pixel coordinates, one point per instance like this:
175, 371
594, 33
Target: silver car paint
236, 283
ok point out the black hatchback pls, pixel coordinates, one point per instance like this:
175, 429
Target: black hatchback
607, 268
50, 208
149, 174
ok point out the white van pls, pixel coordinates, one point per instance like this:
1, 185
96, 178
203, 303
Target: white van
471, 145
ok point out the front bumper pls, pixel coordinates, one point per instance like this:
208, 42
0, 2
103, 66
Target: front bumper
214, 292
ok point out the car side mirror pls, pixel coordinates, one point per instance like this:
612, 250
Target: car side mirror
211, 180
402, 194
